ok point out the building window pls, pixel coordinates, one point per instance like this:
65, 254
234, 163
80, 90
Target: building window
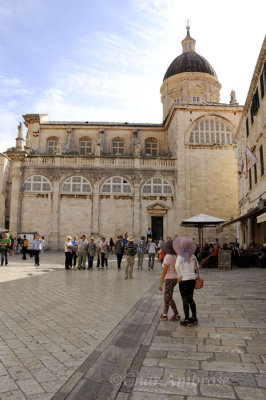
247, 127
117, 147
250, 179
37, 183
116, 185
255, 105
261, 162
177, 101
52, 145
263, 81
85, 147
76, 184
195, 99
255, 174
156, 186
151, 147
212, 131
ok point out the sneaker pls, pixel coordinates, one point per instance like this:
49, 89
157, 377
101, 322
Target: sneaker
185, 322
164, 317
125, 277
193, 320
175, 318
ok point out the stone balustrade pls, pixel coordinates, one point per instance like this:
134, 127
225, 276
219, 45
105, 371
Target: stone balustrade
101, 162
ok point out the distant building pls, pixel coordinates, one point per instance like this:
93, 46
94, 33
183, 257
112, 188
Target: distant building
112, 178
251, 134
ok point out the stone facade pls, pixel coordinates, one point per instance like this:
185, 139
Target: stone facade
251, 134
4, 190
112, 178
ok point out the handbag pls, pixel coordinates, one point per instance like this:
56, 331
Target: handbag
199, 282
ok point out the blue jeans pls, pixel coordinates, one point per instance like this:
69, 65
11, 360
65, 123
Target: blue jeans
90, 261
4, 256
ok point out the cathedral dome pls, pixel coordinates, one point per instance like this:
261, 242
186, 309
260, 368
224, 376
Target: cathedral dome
189, 62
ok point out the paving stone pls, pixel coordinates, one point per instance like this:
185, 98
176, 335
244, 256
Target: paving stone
19, 372
250, 358
156, 354
219, 391
7, 384
151, 362
246, 393
215, 342
3, 370
13, 395
233, 342
189, 355
229, 366
151, 372
165, 387
153, 396
177, 363
30, 386
43, 375
226, 357
220, 349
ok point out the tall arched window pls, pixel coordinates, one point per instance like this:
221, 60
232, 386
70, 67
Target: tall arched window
76, 184
52, 144
85, 146
37, 183
212, 131
117, 147
117, 185
157, 186
151, 147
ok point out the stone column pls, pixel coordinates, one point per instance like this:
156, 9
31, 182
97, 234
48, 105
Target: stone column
15, 200
249, 231
136, 206
95, 206
54, 236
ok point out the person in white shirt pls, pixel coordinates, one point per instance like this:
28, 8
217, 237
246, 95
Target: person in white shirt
37, 246
186, 265
151, 251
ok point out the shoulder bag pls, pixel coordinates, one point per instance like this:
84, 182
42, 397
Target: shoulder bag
199, 282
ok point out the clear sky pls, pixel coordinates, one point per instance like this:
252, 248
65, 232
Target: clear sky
104, 60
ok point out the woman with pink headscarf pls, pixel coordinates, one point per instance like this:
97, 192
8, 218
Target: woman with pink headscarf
186, 267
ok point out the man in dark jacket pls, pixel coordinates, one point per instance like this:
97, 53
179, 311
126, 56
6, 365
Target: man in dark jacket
130, 251
119, 250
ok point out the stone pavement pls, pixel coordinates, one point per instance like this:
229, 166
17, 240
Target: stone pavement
224, 357
51, 320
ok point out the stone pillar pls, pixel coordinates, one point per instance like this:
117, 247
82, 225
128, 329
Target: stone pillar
249, 231
15, 200
54, 236
95, 206
136, 207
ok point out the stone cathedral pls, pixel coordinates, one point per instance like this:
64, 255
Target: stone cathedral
112, 178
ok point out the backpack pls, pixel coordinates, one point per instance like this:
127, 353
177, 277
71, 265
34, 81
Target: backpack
25, 243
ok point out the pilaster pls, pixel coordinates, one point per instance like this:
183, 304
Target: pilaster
54, 237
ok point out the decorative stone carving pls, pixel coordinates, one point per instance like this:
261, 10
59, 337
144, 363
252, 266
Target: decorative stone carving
68, 142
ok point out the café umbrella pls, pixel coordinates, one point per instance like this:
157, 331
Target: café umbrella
201, 221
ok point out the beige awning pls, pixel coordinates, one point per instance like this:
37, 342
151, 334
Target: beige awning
261, 218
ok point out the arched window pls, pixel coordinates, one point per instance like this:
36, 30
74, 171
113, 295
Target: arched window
151, 147
52, 144
212, 131
117, 185
85, 147
157, 186
37, 183
76, 184
117, 147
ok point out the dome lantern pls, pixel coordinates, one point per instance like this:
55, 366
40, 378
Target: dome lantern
188, 44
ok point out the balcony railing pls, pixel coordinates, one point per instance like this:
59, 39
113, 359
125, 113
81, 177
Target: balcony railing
101, 162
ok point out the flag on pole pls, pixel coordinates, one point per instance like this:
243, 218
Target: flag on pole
249, 160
